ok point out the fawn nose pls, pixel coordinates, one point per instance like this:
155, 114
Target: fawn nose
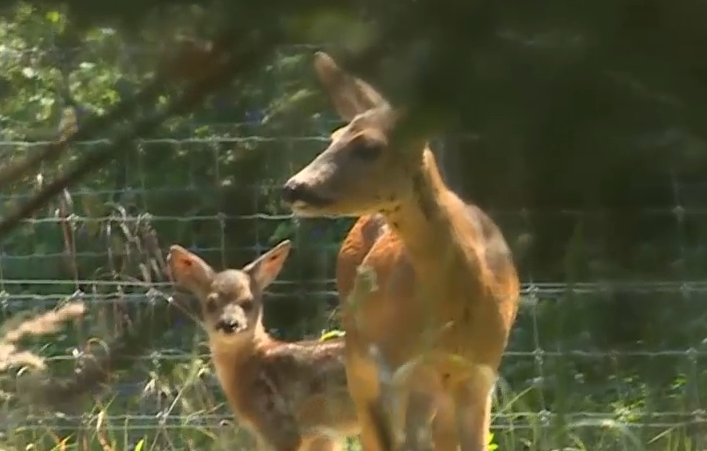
228, 326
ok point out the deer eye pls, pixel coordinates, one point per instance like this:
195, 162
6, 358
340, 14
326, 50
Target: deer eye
366, 150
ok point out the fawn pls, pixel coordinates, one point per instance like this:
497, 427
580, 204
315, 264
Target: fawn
291, 396
443, 268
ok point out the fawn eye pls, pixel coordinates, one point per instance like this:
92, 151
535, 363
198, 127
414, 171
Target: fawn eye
211, 303
366, 150
247, 305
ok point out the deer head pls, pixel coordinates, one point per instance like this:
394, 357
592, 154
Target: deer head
231, 300
362, 170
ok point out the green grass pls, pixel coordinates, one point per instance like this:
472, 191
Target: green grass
175, 400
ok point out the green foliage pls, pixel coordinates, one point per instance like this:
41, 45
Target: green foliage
584, 145
331, 334
493, 446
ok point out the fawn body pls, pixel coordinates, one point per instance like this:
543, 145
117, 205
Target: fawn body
445, 275
290, 395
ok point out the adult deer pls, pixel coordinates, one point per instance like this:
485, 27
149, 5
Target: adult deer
446, 279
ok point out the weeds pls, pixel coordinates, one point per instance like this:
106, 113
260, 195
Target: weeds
176, 404
44, 324
183, 410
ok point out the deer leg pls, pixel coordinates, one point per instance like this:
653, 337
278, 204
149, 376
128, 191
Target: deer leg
418, 422
362, 379
375, 431
473, 416
321, 442
444, 426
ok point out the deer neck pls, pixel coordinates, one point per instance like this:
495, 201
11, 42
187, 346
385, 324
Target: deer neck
244, 352
424, 221
237, 366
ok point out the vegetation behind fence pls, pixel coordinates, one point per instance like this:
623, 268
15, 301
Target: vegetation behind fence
608, 348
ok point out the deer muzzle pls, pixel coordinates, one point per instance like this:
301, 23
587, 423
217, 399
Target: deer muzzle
296, 193
232, 321
228, 326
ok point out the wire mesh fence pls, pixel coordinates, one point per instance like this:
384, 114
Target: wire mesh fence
558, 370
593, 359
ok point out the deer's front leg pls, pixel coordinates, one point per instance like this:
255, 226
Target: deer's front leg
473, 415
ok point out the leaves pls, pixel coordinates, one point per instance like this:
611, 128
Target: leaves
54, 17
141, 444
330, 335
493, 446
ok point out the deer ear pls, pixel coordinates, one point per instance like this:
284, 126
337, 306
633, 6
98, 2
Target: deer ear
189, 270
350, 95
266, 267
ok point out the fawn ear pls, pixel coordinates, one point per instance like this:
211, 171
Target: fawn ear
189, 270
266, 267
350, 95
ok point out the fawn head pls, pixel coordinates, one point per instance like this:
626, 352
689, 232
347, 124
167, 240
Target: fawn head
362, 170
231, 300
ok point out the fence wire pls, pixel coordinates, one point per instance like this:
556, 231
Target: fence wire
571, 370
556, 369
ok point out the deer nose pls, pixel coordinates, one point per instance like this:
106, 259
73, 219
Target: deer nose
292, 191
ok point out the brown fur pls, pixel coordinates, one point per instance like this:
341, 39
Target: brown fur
290, 395
446, 277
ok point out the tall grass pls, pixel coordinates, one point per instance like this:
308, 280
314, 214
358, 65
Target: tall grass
173, 401
183, 410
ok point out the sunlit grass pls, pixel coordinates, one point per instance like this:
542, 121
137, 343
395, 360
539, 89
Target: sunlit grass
177, 405
187, 413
